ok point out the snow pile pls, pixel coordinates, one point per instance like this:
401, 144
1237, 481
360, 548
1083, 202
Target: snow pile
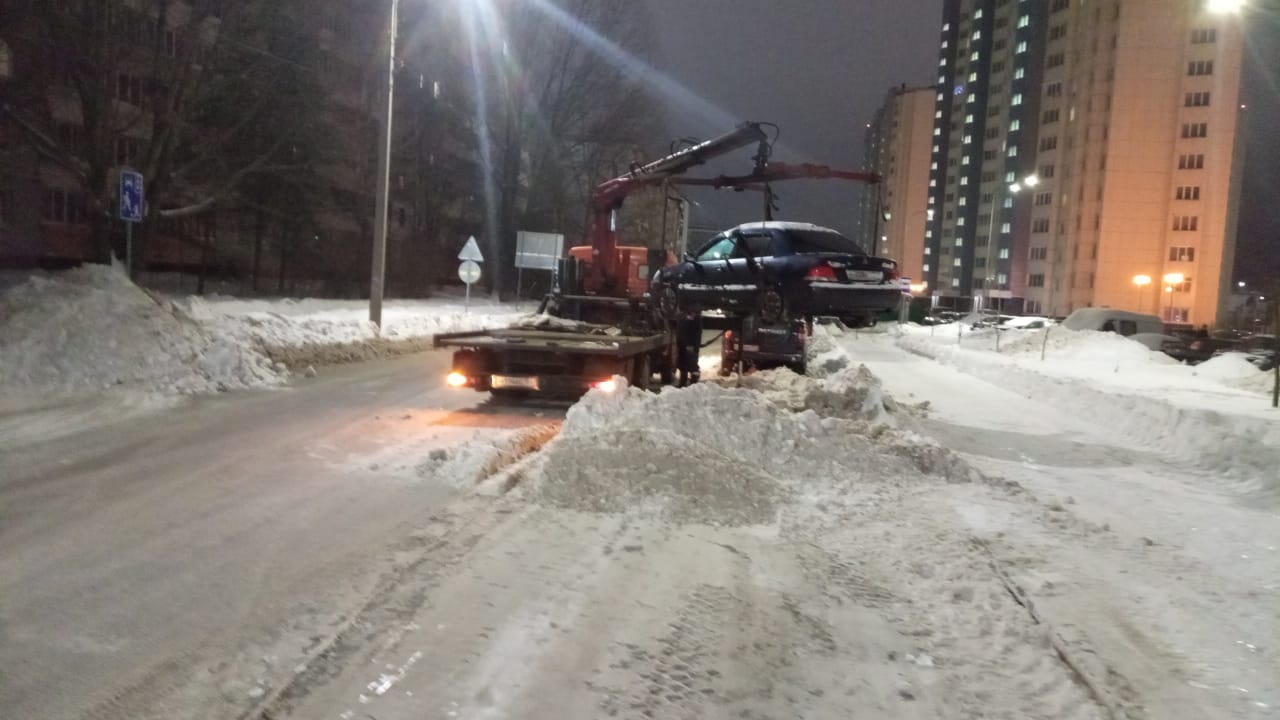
1083, 346
91, 329
1233, 370
463, 466
309, 331
731, 456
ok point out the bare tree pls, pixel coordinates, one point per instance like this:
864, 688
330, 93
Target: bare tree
578, 112
159, 86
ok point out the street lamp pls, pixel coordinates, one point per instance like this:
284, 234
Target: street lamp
1170, 280
1141, 281
997, 205
378, 270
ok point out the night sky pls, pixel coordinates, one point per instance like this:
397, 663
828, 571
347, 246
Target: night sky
820, 68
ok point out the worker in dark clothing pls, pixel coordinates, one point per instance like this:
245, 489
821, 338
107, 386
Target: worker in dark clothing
689, 342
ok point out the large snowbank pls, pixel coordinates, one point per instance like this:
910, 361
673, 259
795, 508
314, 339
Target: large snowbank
91, 329
725, 455
1185, 413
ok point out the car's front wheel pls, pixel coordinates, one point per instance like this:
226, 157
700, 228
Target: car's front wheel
668, 299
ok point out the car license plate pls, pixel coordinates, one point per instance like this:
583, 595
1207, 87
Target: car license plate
509, 382
866, 275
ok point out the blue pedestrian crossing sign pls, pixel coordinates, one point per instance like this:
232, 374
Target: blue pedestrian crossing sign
131, 196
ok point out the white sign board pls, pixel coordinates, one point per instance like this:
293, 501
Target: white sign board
469, 272
538, 251
471, 251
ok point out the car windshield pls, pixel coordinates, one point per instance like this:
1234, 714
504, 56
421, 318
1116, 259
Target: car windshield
721, 248
804, 242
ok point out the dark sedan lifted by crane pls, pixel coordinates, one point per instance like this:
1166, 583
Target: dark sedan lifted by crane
780, 271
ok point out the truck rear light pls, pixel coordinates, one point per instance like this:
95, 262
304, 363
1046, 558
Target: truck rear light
456, 379
821, 273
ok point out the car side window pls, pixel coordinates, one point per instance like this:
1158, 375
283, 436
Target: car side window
721, 249
759, 245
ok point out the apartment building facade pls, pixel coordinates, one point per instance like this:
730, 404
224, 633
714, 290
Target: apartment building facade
984, 133
894, 215
1079, 146
1138, 160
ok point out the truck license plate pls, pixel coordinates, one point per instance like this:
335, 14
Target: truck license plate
504, 382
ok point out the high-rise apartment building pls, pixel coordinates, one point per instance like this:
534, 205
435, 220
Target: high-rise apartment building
1080, 145
1137, 159
984, 135
898, 149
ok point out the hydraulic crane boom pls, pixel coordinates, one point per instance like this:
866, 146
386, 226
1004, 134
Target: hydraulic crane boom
602, 275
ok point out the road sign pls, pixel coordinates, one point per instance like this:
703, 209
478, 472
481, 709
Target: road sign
131, 196
469, 272
471, 251
538, 251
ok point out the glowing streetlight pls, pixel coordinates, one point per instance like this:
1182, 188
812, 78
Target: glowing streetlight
1176, 278
1015, 188
1032, 181
1224, 7
1141, 282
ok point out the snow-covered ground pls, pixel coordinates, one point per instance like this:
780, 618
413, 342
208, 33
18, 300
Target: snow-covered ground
89, 330
293, 329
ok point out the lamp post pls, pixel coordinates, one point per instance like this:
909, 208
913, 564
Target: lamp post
378, 269
1141, 281
997, 205
1171, 279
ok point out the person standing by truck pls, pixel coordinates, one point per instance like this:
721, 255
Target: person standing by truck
689, 346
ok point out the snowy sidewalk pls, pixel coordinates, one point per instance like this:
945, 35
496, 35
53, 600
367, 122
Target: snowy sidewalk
1178, 596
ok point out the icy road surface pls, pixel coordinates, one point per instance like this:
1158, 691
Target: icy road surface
797, 548
179, 564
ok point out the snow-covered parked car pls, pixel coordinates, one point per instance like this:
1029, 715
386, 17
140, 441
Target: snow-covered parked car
1027, 322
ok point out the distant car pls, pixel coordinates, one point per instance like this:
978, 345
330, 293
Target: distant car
1027, 322
1202, 348
1116, 321
780, 271
1263, 351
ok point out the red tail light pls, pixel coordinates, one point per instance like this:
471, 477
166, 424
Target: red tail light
821, 273
893, 274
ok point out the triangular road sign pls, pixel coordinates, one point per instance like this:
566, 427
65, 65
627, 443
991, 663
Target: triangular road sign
471, 251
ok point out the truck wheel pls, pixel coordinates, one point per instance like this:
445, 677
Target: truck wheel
773, 306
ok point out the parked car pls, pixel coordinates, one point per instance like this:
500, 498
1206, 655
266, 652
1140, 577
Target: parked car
1261, 350
1027, 322
780, 270
1116, 321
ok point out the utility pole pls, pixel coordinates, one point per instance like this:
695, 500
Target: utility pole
378, 273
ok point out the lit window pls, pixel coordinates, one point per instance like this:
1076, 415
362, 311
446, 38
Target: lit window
974, 56
1015, 126
926, 265
968, 118
1004, 255
973, 77
1017, 99
956, 262
1006, 228
1019, 73
1013, 151
1022, 47
1024, 21
955, 282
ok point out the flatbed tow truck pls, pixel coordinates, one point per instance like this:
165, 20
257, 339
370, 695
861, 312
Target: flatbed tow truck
599, 321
